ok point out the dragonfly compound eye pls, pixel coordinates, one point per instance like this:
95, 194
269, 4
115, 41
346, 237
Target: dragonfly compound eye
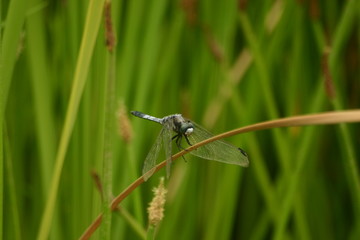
187, 128
188, 131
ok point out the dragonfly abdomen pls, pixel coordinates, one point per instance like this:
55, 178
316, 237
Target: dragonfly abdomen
147, 117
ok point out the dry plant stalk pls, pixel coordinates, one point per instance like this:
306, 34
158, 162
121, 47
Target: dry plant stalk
326, 118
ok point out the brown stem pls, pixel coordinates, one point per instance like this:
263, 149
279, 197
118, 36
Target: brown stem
312, 119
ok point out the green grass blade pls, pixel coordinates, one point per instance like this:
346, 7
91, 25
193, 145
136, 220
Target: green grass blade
265, 84
13, 27
108, 144
342, 35
9, 44
221, 64
12, 188
42, 94
1, 184
89, 37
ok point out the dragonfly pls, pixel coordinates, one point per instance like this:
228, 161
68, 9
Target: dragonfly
192, 133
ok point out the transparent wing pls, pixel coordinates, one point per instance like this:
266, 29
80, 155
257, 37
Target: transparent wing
150, 161
219, 150
167, 141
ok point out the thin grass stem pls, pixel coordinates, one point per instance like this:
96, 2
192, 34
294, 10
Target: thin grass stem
304, 120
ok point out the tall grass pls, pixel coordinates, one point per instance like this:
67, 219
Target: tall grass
222, 64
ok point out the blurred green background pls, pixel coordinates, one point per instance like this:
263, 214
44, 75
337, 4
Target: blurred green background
223, 64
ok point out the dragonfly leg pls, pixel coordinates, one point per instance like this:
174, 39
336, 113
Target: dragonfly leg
187, 140
178, 141
178, 144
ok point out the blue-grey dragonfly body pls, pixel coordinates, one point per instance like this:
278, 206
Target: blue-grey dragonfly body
218, 150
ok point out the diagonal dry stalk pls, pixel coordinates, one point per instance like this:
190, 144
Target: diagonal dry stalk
303, 120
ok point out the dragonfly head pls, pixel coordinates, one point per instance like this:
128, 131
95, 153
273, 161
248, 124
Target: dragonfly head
187, 128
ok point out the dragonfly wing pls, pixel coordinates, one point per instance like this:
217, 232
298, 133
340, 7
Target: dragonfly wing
150, 161
167, 141
219, 150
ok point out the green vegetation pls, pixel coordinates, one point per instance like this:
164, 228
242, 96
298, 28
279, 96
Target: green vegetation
69, 144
